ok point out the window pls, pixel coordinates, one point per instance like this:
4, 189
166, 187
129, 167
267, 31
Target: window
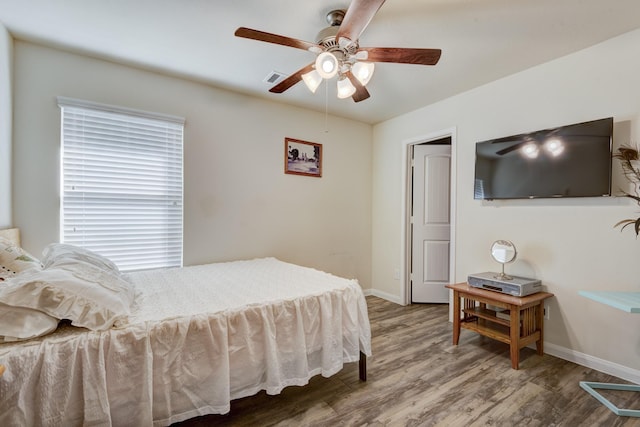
122, 184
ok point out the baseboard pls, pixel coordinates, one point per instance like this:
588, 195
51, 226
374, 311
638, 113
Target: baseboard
383, 295
611, 368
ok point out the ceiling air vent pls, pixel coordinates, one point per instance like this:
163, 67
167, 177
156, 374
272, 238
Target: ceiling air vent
274, 77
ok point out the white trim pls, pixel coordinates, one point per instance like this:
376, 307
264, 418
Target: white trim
63, 101
384, 295
592, 362
406, 146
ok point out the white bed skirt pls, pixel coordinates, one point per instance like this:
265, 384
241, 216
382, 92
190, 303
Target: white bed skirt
193, 362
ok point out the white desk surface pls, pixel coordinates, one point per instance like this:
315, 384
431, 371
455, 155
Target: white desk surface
626, 301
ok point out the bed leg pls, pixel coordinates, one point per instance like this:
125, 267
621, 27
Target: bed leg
363, 366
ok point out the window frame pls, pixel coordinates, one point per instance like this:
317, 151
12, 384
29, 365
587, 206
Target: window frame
172, 182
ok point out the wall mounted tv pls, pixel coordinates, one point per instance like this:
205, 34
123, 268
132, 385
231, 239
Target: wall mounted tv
568, 161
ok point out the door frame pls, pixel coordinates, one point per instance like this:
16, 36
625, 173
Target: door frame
405, 240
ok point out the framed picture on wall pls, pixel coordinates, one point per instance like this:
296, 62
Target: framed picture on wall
302, 157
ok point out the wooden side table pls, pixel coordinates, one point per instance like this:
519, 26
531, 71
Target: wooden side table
524, 326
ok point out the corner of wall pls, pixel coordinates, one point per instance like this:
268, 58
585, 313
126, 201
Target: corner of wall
6, 119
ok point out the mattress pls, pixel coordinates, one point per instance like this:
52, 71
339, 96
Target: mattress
198, 337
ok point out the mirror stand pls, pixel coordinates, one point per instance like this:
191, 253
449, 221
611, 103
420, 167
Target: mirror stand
503, 251
502, 276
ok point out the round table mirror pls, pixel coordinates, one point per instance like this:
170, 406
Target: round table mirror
503, 251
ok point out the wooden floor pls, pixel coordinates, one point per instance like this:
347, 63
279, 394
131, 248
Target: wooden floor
416, 377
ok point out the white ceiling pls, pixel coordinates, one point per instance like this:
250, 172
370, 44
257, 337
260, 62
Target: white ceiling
481, 41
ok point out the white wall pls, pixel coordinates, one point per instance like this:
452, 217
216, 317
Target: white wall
238, 201
6, 44
570, 244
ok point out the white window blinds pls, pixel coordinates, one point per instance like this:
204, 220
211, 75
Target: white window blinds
122, 184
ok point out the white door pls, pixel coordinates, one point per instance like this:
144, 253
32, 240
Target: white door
431, 223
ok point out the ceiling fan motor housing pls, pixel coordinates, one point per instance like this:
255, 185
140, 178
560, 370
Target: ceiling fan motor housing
327, 36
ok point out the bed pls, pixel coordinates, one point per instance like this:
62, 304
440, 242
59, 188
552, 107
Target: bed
194, 339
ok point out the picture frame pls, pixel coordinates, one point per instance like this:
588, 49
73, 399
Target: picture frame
302, 158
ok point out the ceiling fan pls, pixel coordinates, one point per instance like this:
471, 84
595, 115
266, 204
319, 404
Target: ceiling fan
339, 53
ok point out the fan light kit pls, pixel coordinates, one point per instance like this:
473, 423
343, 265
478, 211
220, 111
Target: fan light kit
339, 53
312, 79
345, 88
326, 65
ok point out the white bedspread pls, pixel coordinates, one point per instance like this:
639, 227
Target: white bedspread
198, 337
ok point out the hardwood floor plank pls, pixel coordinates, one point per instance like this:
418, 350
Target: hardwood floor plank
416, 377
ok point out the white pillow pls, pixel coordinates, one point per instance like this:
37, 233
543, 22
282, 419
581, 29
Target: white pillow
19, 323
86, 295
61, 254
14, 259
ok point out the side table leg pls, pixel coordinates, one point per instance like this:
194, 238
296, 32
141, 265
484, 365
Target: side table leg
514, 332
540, 327
456, 317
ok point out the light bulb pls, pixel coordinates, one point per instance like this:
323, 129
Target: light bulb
345, 88
530, 150
554, 147
327, 65
312, 79
363, 71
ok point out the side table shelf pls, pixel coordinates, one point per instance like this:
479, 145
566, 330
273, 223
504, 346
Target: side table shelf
485, 324
486, 314
524, 327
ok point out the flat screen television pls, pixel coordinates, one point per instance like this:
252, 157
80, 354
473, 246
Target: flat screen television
568, 161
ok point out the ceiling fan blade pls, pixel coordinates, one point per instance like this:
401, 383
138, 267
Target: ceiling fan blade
262, 36
291, 80
401, 55
510, 148
361, 92
358, 16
